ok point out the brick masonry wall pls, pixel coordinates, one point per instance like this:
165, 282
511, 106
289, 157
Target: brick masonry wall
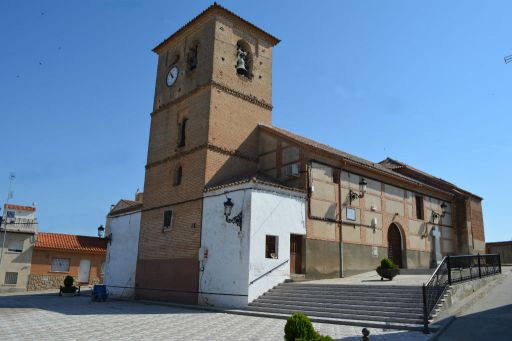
180, 241
477, 222
41, 266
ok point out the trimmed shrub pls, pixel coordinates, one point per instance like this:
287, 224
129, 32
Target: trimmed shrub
387, 263
299, 327
68, 281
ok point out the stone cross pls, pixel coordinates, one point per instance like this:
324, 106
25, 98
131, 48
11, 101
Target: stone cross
436, 236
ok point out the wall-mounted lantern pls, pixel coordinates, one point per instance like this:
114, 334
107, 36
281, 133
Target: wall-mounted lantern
101, 234
237, 220
436, 215
362, 190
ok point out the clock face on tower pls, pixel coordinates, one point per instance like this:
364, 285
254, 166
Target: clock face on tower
172, 75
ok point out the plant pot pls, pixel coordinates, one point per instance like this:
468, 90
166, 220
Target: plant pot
68, 291
387, 273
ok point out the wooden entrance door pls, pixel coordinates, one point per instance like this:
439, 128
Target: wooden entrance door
395, 245
295, 253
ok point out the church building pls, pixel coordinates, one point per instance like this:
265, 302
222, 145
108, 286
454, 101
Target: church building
234, 205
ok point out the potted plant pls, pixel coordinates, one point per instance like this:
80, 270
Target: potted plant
387, 269
68, 290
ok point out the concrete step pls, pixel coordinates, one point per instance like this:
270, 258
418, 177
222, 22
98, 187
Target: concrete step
360, 300
341, 310
347, 293
354, 286
348, 322
349, 316
367, 305
363, 297
348, 289
341, 305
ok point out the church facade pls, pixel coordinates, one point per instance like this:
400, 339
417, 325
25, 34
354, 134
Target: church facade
234, 205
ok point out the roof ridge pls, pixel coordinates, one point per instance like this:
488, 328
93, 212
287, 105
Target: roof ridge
213, 7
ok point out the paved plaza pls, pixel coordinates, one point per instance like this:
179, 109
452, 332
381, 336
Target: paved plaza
46, 316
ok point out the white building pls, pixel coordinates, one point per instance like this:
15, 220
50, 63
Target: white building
239, 262
17, 238
122, 230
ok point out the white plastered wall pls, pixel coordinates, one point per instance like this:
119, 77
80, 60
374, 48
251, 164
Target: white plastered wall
122, 252
230, 259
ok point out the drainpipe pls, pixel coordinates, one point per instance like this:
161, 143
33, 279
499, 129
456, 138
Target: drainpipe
340, 224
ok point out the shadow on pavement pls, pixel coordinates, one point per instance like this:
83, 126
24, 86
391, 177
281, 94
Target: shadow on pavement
83, 305
492, 324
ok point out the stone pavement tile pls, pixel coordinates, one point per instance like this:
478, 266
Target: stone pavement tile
49, 317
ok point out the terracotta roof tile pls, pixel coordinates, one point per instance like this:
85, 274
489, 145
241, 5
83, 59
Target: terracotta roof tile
397, 166
70, 242
20, 207
349, 158
217, 7
131, 206
254, 177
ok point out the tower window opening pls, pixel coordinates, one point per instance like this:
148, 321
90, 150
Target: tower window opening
182, 133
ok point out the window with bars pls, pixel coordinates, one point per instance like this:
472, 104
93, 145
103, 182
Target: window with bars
271, 248
60, 265
11, 278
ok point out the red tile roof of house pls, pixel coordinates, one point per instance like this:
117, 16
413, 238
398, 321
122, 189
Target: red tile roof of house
71, 242
125, 206
20, 207
258, 178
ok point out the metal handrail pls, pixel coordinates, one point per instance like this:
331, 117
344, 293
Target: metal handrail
436, 270
435, 287
269, 271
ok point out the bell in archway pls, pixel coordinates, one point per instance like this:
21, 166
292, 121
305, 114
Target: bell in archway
240, 62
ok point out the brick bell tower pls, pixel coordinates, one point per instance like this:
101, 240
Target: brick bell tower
213, 87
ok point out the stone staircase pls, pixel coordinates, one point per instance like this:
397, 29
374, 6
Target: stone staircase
386, 306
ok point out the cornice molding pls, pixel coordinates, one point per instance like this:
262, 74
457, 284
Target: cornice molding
209, 146
219, 86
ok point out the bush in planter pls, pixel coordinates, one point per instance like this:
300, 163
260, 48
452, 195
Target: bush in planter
299, 328
387, 269
387, 263
68, 288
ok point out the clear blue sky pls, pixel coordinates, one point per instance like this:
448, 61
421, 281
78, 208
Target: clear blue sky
420, 81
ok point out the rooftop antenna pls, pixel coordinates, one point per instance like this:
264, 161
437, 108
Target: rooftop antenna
508, 59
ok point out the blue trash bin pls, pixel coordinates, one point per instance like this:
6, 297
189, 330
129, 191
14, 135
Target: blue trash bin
99, 292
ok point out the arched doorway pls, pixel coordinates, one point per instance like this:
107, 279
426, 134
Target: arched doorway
395, 245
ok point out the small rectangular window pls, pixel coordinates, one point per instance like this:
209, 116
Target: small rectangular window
351, 214
167, 219
271, 247
11, 278
419, 207
15, 246
60, 265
